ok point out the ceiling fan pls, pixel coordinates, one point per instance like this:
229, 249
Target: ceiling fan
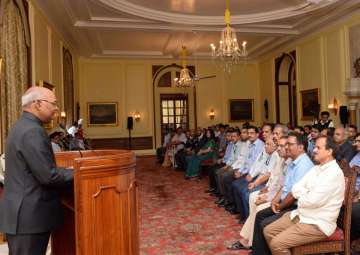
198, 78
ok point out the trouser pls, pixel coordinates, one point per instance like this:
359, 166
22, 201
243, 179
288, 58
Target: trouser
31, 244
262, 219
220, 175
244, 196
160, 153
227, 179
247, 230
212, 176
284, 233
355, 222
235, 186
180, 159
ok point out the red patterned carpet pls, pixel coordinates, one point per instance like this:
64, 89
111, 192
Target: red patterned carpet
178, 217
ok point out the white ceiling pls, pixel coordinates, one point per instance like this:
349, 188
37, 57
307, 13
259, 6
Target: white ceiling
158, 28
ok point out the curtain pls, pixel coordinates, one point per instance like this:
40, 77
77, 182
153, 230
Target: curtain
68, 78
14, 52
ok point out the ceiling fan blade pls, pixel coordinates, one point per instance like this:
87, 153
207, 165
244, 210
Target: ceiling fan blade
206, 77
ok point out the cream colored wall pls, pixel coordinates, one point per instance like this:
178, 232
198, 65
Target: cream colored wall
47, 51
129, 82
323, 62
267, 88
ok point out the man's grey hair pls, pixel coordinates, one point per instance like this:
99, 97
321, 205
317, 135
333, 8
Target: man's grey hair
30, 97
283, 127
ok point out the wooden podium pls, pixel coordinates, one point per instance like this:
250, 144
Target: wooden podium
101, 212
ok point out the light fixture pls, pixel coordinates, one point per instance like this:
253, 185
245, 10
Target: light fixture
137, 116
63, 114
228, 53
185, 80
333, 105
212, 114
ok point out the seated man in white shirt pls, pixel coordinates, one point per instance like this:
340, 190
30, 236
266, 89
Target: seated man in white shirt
319, 194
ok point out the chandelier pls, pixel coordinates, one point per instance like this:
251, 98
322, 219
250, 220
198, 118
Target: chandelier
228, 53
185, 80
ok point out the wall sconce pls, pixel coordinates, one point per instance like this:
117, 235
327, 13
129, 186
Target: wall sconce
212, 114
137, 116
333, 105
63, 115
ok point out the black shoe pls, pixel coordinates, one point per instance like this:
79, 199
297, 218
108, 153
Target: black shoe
242, 221
237, 246
210, 190
220, 200
221, 205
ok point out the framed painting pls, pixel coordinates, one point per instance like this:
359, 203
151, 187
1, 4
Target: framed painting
47, 85
241, 110
310, 105
102, 114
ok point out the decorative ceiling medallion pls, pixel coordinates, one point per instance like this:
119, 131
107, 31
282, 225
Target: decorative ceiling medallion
140, 11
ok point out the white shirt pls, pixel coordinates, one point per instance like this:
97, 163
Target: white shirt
179, 138
277, 177
264, 163
320, 194
72, 131
240, 154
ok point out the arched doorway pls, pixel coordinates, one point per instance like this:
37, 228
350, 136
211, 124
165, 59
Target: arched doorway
285, 89
173, 106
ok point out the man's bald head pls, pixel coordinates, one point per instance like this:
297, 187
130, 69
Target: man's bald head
41, 102
35, 93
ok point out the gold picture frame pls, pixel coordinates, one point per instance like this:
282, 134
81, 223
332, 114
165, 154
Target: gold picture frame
45, 84
241, 110
102, 114
310, 103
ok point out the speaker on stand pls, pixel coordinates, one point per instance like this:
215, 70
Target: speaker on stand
344, 115
130, 126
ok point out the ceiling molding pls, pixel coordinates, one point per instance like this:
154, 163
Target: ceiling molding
144, 12
169, 27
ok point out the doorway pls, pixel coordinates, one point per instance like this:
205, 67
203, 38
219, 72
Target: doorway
285, 89
174, 112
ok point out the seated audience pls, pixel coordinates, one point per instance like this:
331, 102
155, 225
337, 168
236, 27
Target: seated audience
261, 199
319, 195
257, 177
240, 150
324, 121
227, 159
187, 151
283, 201
208, 151
345, 150
315, 133
160, 152
356, 162
351, 132
176, 144
255, 148
55, 138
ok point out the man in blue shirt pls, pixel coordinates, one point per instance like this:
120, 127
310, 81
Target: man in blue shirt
283, 201
255, 148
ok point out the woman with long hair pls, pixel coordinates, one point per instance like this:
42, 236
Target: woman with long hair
207, 151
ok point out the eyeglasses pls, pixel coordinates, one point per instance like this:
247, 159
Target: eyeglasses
53, 103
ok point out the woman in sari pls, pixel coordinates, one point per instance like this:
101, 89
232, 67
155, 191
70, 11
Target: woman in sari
207, 151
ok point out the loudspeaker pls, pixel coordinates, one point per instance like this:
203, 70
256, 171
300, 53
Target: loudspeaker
130, 123
344, 115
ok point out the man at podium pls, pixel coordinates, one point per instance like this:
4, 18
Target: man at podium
30, 207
